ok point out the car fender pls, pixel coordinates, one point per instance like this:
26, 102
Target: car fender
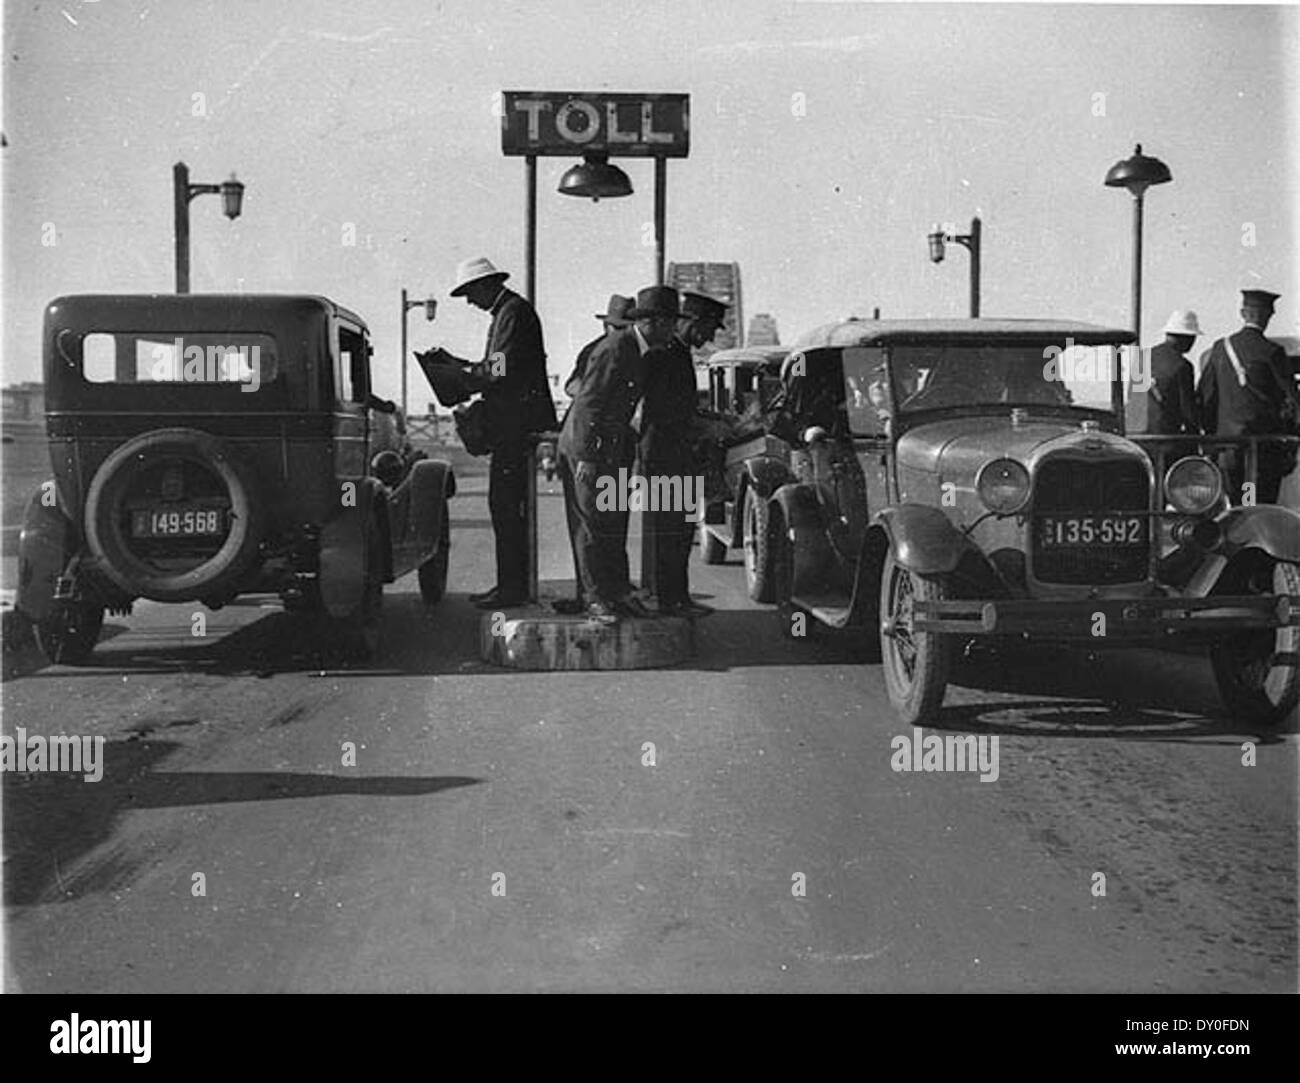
765, 475
432, 484
47, 542
800, 510
343, 542
1269, 527
924, 540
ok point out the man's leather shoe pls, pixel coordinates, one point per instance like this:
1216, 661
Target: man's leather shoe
691, 610
478, 596
601, 613
499, 599
631, 606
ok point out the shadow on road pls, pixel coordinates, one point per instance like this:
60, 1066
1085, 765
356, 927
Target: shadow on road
53, 821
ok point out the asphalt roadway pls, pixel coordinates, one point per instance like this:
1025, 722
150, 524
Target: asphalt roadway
507, 831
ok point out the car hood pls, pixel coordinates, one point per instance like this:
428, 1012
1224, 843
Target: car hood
958, 447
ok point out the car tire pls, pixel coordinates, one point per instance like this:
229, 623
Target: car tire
1254, 689
433, 572
69, 634
712, 551
755, 529
134, 575
916, 664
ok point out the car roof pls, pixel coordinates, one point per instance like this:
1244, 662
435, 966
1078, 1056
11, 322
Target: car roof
90, 306
1009, 331
770, 356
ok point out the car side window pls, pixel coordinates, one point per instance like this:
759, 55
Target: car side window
866, 391
354, 365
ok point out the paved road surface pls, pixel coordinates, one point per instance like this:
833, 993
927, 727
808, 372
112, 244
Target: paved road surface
772, 759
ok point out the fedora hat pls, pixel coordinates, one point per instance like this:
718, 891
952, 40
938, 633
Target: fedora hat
655, 301
698, 306
616, 312
1182, 321
472, 270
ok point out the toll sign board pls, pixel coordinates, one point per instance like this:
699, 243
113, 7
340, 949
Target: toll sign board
569, 124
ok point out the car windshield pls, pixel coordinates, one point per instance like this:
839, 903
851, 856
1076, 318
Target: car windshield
946, 376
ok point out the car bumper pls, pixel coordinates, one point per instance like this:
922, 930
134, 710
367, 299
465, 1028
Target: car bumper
1100, 621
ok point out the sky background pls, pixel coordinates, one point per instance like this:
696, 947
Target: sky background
826, 139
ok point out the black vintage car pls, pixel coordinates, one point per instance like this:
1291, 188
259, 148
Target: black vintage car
741, 386
960, 487
207, 446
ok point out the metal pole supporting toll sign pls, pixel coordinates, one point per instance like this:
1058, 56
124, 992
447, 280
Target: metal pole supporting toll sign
595, 126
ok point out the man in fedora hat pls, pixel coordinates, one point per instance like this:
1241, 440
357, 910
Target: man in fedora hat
1171, 398
668, 434
517, 399
597, 439
1245, 388
615, 318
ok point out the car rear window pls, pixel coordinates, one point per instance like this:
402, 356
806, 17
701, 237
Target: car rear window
203, 358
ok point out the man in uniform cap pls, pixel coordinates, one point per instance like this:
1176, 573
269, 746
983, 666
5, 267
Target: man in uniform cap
1171, 399
668, 432
597, 439
517, 399
1243, 389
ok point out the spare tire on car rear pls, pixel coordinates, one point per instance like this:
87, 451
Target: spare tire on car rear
181, 566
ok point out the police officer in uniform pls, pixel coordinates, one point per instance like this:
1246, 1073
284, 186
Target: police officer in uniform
597, 439
1245, 385
668, 433
517, 398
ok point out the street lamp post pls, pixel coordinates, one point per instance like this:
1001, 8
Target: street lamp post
971, 242
1137, 174
232, 200
430, 310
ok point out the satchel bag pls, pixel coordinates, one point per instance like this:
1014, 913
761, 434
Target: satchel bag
472, 428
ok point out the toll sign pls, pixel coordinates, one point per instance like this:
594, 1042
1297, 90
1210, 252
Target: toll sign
567, 124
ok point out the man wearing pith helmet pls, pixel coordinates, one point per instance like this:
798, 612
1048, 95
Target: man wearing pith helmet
1245, 389
668, 433
517, 398
1171, 401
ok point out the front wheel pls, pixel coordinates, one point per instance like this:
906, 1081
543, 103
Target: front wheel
70, 633
916, 664
756, 524
1257, 672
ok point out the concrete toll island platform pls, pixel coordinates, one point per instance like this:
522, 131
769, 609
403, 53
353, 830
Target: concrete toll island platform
535, 637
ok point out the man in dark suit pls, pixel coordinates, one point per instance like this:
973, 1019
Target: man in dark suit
1171, 401
517, 401
597, 439
615, 318
1245, 386
1172, 409
668, 434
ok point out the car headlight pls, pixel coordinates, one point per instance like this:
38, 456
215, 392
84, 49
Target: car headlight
1003, 486
1193, 485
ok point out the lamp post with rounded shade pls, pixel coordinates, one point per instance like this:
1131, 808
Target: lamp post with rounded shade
1137, 174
